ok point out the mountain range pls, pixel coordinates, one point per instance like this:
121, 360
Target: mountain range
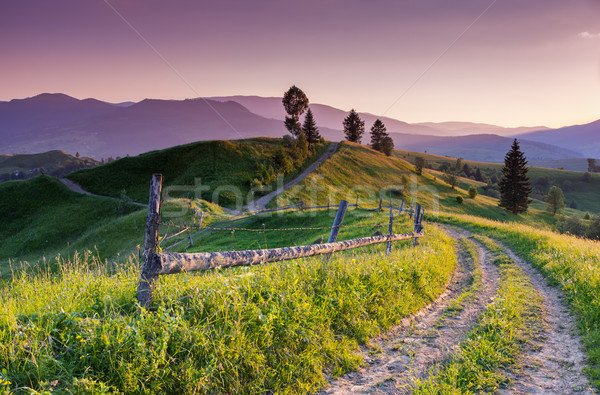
101, 130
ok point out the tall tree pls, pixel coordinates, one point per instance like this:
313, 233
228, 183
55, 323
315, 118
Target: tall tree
592, 167
295, 103
555, 200
378, 133
310, 128
514, 185
354, 127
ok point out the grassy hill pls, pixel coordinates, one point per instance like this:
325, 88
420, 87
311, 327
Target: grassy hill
226, 166
54, 163
584, 194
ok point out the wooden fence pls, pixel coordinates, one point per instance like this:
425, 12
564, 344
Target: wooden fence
155, 264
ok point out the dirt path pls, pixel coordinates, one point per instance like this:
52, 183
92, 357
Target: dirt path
75, 187
261, 202
410, 349
554, 363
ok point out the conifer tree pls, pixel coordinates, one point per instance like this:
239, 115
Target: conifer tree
295, 103
378, 133
310, 128
514, 185
354, 127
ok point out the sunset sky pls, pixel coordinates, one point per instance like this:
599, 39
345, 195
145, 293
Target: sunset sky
507, 62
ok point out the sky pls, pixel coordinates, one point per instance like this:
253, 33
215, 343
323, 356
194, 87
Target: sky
505, 62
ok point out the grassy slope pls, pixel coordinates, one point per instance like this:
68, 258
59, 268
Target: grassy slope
41, 216
215, 163
277, 327
584, 194
53, 162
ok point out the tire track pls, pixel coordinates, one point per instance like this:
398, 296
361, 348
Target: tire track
408, 351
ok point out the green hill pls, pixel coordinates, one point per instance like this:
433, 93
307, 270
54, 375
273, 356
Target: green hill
55, 163
580, 193
231, 168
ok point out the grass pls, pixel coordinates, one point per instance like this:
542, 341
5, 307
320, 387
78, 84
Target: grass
497, 340
42, 217
568, 262
56, 163
223, 167
585, 195
279, 327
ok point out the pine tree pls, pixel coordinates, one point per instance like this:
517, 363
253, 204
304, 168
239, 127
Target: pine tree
310, 128
378, 133
295, 103
514, 185
354, 127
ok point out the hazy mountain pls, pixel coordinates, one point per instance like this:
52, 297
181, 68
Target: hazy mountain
479, 147
581, 138
466, 128
99, 129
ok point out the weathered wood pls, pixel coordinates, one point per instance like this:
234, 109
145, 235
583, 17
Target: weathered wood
401, 206
389, 246
416, 229
172, 262
150, 264
337, 222
379, 208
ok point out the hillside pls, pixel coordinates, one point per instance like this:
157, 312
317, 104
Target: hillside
54, 163
578, 192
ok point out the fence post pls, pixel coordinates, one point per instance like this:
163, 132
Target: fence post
379, 208
389, 246
337, 222
144, 293
416, 229
356, 204
401, 205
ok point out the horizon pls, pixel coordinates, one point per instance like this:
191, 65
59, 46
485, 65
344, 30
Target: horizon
501, 63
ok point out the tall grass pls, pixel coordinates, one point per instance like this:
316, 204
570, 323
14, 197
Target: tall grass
569, 262
280, 327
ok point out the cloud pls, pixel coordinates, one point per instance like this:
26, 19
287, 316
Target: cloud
589, 36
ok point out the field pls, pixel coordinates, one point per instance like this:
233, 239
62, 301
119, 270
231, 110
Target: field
70, 323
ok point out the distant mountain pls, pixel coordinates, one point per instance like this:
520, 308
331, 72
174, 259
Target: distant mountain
582, 138
102, 130
479, 147
55, 163
467, 128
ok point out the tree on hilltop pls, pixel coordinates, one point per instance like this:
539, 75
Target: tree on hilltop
515, 186
378, 133
354, 127
310, 128
295, 103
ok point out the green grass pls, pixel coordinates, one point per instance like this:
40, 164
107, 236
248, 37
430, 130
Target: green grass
42, 217
277, 327
56, 163
585, 195
568, 262
469, 250
231, 165
497, 340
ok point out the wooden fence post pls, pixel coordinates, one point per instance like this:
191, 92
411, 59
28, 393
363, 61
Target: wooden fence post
356, 204
144, 294
416, 229
389, 246
337, 222
401, 205
379, 208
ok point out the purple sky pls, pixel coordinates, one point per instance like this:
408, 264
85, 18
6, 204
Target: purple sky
523, 62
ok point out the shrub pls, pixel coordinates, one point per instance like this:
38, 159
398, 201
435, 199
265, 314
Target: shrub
472, 192
587, 215
459, 200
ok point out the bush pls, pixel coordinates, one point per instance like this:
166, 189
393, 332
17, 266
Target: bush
472, 192
571, 225
587, 215
459, 200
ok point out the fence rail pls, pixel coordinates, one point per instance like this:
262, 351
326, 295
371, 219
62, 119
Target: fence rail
155, 264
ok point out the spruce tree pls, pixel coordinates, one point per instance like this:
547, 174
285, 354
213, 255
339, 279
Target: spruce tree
354, 127
310, 128
295, 103
514, 185
378, 133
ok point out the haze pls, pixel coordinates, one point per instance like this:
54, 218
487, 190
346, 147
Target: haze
518, 63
